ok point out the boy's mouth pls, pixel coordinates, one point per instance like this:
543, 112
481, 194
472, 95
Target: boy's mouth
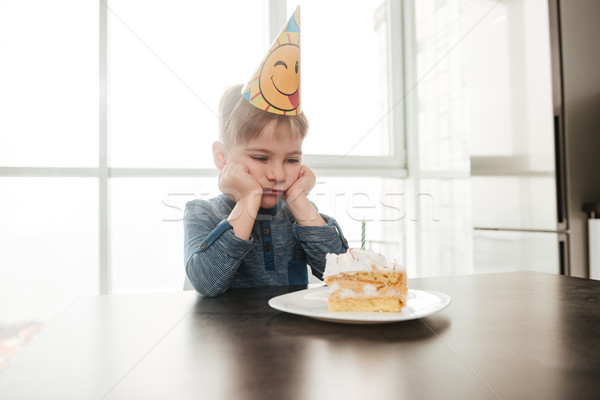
273, 192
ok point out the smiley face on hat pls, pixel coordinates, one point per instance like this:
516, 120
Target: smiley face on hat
275, 87
279, 79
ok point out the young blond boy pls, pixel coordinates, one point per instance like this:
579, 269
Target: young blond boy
263, 230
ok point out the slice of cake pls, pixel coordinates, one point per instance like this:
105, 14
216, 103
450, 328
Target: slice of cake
362, 280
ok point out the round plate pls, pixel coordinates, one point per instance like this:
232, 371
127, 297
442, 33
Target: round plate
313, 303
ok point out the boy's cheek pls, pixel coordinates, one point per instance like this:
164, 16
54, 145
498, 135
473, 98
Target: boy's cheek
248, 165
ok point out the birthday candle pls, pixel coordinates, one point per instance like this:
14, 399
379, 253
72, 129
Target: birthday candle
362, 235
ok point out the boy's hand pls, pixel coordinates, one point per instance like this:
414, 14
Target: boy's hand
306, 181
236, 183
296, 200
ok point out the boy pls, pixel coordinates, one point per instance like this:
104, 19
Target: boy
262, 230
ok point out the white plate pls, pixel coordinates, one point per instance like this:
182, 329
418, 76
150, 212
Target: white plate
313, 303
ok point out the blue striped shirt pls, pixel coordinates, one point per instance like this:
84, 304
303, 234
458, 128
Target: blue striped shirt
276, 254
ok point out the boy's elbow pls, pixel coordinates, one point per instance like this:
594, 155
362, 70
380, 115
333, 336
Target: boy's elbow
202, 286
205, 290
209, 291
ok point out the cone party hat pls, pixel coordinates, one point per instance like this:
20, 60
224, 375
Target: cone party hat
275, 86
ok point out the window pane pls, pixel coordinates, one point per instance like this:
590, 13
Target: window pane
49, 236
49, 83
147, 231
443, 227
484, 83
441, 89
514, 202
344, 76
169, 66
510, 89
381, 203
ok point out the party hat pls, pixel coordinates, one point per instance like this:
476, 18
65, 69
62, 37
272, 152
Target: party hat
275, 86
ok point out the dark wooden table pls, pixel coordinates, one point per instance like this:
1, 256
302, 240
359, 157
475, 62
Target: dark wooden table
522, 335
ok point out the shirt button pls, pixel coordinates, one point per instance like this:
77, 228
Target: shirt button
266, 231
267, 247
203, 246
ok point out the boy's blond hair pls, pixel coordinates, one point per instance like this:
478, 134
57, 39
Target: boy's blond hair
240, 121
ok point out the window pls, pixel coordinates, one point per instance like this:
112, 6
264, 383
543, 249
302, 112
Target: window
481, 135
48, 150
146, 238
108, 118
49, 236
49, 84
93, 195
345, 73
168, 68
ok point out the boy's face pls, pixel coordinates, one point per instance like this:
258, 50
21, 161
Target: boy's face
273, 158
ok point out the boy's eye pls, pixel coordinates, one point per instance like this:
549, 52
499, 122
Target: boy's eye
259, 158
293, 160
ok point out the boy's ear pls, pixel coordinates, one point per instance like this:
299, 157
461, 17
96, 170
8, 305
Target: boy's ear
219, 158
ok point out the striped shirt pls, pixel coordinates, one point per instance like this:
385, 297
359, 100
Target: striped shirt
276, 254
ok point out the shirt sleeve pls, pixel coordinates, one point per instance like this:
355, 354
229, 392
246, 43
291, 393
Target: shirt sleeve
212, 252
317, 241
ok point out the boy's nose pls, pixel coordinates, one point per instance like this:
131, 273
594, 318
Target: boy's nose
276, 173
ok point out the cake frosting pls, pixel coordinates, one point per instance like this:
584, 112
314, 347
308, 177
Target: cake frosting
363, 280
355, 260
